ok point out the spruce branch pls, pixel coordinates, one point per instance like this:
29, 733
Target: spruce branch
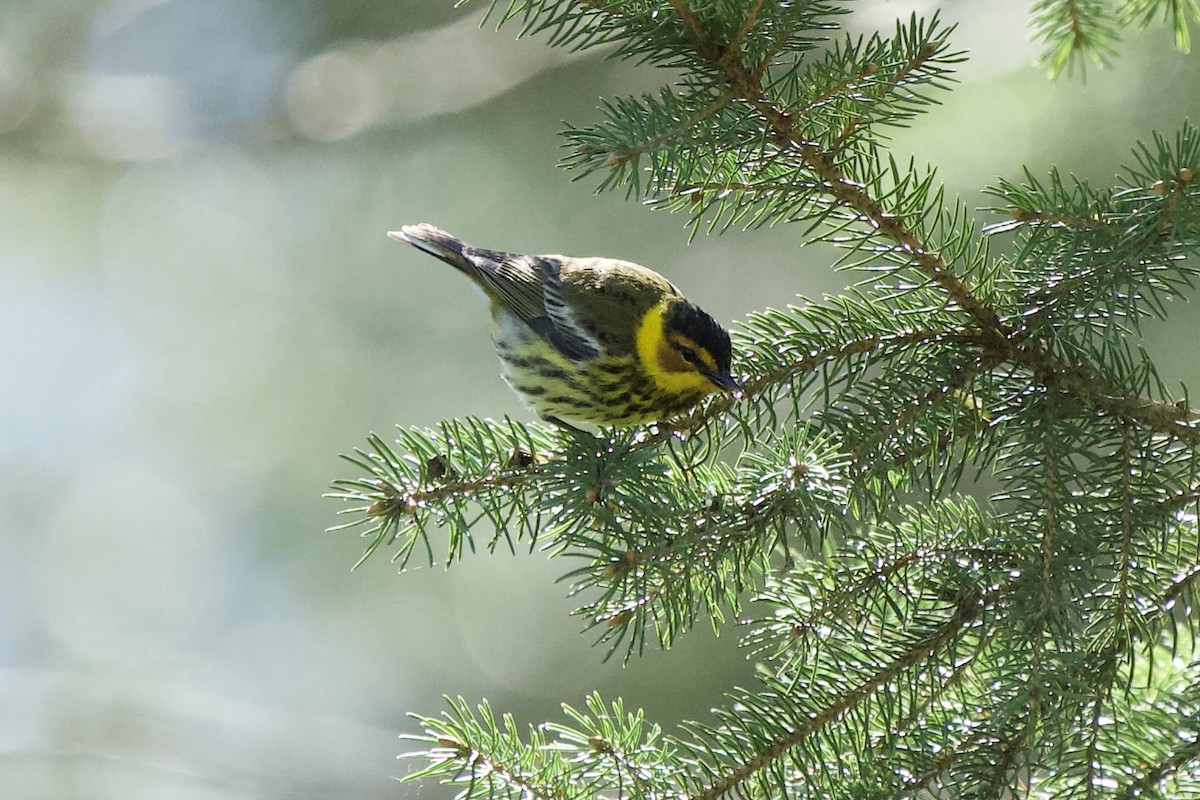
1091, 763
1179, 13
718, 547
784, 128
1077, 31
1074, 30
853, 200
617, 749
1120, 626
964, 669
471, 747
764, 758
906, 649
1149, 781
450, 477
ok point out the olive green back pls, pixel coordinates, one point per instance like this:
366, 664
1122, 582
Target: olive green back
610, 297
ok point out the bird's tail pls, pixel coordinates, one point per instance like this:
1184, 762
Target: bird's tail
437, 243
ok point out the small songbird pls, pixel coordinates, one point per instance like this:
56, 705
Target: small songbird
593, 340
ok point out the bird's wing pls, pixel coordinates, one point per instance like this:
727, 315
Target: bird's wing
529, 286
514, 282
563, 330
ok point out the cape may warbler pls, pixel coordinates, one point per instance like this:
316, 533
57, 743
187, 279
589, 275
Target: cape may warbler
593, 340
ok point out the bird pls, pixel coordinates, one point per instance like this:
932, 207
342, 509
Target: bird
599, 341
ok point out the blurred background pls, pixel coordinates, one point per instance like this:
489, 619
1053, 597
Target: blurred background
199, 310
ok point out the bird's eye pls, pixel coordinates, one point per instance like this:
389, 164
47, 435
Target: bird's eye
689, 355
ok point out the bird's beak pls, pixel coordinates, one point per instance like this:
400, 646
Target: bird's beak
723, 381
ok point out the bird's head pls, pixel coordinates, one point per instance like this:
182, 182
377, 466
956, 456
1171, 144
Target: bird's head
684, 350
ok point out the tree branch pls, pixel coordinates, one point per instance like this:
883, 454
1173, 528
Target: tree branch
1002, 340
965, 613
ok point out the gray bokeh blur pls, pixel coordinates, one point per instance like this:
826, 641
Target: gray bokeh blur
199, 309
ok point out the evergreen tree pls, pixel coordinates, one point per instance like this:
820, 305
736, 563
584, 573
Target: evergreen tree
914, 639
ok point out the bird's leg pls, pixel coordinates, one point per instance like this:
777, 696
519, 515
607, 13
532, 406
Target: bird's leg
567, 426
